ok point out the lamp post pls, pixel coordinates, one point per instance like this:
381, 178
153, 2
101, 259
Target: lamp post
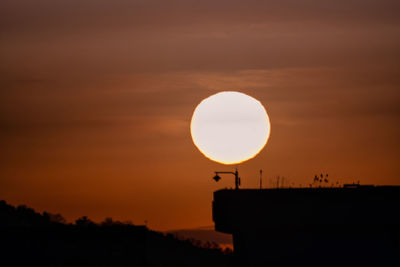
237, 178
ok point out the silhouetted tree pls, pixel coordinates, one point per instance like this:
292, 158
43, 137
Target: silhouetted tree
55, 218
107, 222
26, 234
84, 221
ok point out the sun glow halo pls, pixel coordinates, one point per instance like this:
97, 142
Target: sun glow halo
230, 127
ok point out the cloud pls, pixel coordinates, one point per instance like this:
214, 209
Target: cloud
81, 39
61, 16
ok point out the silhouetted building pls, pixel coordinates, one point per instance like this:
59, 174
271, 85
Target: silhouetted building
350, 226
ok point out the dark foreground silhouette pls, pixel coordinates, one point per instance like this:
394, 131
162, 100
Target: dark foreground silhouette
350, 226
28, 238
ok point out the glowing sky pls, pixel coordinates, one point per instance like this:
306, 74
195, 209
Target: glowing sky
96, 99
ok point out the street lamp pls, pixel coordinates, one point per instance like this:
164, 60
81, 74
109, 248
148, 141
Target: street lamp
237, 178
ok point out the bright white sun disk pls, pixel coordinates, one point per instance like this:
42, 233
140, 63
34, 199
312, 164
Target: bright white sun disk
230, 127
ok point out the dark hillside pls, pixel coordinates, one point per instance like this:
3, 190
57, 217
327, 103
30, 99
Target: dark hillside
29, 238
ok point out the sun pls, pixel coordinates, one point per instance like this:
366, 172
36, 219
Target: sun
230, 127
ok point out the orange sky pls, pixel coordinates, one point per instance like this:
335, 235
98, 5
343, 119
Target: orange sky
97, 96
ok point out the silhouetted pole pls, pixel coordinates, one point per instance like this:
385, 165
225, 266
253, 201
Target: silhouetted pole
237, 178
260, 179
